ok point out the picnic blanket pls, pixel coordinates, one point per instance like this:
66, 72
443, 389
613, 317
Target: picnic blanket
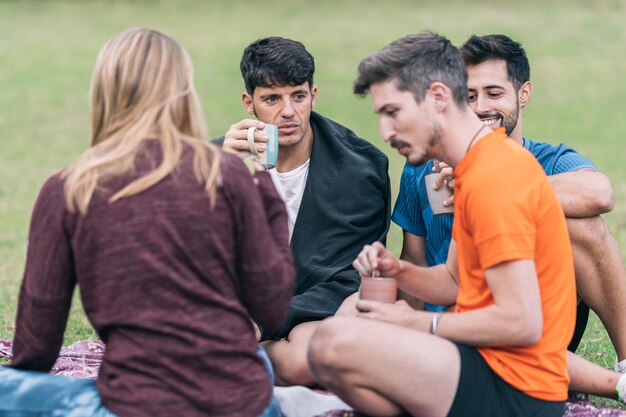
300, 403
82, 360
577, 405
78, 360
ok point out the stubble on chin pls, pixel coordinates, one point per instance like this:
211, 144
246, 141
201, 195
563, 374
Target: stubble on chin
433, 142
416, 160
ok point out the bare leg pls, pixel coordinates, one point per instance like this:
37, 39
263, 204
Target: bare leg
348, 307
600, 276
590, 378
289, 356
383, 369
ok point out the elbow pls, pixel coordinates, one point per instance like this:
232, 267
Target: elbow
605, 202
532, 336
604, 199
526, 331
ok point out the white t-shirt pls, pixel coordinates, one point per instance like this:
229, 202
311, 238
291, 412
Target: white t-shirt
290, 186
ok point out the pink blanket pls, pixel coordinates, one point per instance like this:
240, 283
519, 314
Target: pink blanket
79, 360
82, 360
578, 405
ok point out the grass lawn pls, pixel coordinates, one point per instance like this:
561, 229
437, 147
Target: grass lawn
48, 49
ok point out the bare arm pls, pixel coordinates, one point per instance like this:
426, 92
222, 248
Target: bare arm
413, 249
515, 318
583, 193
435, 284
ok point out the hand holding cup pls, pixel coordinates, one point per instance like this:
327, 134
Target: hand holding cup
236, 138
269, 156
439, 191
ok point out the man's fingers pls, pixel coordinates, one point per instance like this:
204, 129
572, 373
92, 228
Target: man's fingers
246, 123
443, 179
361, 264
367, 306
235, 145
242, 135
236, 138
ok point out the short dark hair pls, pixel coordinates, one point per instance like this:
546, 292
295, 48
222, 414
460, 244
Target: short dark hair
479, 49
276, 61
415, 62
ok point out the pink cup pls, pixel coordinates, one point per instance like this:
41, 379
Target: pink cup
378, 289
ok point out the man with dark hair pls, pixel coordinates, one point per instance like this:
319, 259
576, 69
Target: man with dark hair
334, 184
503, 350
499, 90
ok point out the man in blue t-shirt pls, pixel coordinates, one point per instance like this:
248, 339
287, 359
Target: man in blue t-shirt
499, 89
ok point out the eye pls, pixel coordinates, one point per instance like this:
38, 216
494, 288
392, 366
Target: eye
392, 113
299, 97
270, 100
471, 97
494, 94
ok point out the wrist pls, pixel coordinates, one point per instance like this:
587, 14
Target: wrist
402, 266
434, 323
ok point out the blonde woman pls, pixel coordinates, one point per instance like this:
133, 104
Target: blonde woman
176, 249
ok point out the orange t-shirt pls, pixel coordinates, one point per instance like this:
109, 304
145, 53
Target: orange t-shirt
506, 210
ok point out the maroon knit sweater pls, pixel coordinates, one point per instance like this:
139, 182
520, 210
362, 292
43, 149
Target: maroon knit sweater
169, 285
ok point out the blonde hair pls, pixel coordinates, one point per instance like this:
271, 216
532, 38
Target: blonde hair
141, 89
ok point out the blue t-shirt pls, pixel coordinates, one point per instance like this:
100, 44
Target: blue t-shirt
413, 213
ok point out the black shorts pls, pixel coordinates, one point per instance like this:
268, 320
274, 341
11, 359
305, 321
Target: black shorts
582, 316
481, 392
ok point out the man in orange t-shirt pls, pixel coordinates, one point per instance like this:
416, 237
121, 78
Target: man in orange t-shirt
503, 351
507, 218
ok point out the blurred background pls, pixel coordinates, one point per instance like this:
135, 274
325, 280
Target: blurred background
577, 52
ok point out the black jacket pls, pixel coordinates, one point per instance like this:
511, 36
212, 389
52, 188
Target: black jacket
346, 205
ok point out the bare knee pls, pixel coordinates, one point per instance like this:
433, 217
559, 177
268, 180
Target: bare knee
348, 307
289, 356
329, 344
294, 372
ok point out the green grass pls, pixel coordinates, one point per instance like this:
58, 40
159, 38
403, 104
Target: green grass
47, 51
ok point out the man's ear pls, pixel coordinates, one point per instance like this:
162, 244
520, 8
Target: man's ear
313, 94
525, 93
246, 99
440, 94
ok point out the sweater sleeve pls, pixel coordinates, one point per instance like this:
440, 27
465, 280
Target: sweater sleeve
266, 267
48, 283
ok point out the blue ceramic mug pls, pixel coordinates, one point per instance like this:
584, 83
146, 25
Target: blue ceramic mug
270, 156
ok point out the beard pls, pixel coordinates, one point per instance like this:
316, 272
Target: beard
426, 153
510, 121
507, 121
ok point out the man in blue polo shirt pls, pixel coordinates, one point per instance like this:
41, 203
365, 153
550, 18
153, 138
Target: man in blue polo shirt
499, 89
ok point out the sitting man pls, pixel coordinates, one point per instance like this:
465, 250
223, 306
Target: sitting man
503, 350
334, 184
499, 89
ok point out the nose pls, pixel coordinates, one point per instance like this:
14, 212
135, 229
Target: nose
482, 105
287, 112
387, 131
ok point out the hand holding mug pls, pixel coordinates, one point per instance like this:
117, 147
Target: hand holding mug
439, 188
269, 157
236, 138
376, 259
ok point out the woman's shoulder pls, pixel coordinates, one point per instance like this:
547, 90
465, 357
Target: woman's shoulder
54, 186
